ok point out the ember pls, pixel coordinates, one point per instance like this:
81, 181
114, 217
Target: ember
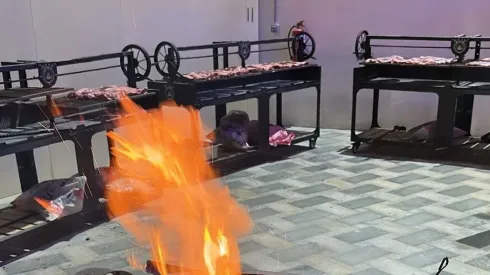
196, 221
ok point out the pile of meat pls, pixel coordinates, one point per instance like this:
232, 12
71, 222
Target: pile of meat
109, 93
423, 60
484, 62
234, 71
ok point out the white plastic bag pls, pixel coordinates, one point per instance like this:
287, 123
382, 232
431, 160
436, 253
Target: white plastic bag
54, 199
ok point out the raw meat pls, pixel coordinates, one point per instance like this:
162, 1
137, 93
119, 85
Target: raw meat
109, 93
423, 60
234, 71
484, 62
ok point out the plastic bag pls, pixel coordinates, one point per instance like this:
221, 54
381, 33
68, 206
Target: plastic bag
54, 199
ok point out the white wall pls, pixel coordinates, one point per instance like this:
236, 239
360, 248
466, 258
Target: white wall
335, 24
64, 29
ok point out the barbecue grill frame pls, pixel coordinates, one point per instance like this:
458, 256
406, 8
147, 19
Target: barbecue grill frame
455, 96
190, 92
80, 133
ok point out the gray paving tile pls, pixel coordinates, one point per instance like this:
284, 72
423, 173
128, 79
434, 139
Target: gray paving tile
303, 270
404, 168
306, 216
479, 240
113, 263
360, 235
304, 232
467, 204
417, 219
413, 203
23, 266
422, 236
359, 203
235, 184
260, 227
284, 165
262, 213
262, 200
457, 178
317, 177
297, 253
112, 247
308, 202
318, 168
363, 189
274, 176
269, 188
318, 159
460, 191
371, 271
356, 159
471, 222
410, 190
481, 263
443, 168
426, 258
361, 168
250, 246
361, 255
361, 178
483, 216
237, 175
407, 178
362, 217
314, 189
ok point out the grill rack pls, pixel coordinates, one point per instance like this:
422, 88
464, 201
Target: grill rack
455, 84
261, 86
25, 126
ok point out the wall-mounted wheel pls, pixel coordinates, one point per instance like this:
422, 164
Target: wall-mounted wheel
141, 62
355, 147
360, 46
312, 143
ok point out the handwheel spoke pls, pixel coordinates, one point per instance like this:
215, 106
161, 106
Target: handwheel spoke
165, 50
144, 69
138, 54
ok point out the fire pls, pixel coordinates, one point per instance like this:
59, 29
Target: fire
195, 222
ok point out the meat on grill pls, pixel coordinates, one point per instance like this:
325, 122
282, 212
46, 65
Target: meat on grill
423, 60
234, 71
109, 93
484, 62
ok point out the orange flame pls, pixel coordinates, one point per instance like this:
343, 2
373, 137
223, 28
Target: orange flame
196, 221
50, 208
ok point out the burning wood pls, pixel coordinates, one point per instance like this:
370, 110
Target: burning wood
163, 148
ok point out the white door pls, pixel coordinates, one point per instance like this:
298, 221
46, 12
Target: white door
252, 34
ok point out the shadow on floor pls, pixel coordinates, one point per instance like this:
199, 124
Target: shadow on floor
401, 153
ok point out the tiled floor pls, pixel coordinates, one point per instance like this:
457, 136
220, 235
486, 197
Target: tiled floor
325, 212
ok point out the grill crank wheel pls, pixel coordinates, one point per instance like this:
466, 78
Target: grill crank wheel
303, 48
360, 46
167, 53
144, 64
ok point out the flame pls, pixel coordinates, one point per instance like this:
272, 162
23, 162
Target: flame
195, 222
49, 207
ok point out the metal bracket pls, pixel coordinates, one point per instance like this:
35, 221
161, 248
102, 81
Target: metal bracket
48, 74
244, 49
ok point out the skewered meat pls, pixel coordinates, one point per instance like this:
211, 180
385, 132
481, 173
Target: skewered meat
479, 63
423, 60
109, 93
484, 62
234, 71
